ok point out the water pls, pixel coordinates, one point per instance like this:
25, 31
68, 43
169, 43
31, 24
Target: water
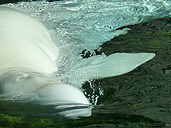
137, 99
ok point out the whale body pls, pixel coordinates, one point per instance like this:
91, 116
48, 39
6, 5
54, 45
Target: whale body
28, 58
20, 43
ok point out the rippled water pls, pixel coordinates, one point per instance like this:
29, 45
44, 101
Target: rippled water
137, 99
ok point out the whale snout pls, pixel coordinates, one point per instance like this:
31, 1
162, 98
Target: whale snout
59, 93
69, 100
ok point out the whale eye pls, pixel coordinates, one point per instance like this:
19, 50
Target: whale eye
22, 76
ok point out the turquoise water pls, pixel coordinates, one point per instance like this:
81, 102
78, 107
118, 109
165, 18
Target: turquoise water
140, 98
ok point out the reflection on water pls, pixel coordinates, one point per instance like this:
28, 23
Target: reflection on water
31, 115
137, 99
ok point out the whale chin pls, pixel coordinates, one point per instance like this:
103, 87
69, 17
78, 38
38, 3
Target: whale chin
39, 88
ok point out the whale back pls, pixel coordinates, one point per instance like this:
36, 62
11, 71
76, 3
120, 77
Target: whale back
25, 42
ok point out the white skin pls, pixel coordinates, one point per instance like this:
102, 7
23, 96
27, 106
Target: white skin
25, 43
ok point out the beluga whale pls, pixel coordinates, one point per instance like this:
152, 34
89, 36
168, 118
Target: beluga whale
30, 55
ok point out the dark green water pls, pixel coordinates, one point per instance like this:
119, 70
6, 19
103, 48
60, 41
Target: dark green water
141, 98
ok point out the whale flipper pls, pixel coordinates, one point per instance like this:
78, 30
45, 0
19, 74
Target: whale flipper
112, 65
119, 63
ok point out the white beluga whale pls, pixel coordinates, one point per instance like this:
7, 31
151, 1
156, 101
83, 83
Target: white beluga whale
30, 56
27, 57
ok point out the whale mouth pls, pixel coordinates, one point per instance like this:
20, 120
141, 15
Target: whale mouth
69, 109
74, 111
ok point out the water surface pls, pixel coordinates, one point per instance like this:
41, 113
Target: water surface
141, 98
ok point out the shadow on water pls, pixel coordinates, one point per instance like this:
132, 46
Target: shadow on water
141, 98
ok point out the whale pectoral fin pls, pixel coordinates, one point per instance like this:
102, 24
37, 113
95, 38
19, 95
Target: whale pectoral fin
118, 64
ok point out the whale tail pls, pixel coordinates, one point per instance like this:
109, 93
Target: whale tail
113, 65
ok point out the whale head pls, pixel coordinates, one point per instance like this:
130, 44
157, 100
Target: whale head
39, 88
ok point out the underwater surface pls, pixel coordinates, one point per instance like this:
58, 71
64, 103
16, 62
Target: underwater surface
140, 98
